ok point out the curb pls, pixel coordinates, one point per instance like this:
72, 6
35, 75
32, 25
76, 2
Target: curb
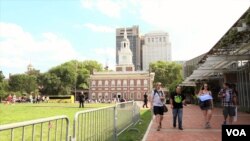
149, 127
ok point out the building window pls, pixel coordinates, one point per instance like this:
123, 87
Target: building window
113, 83
138, 95
160, 39
93, 95
125, 83
106, 83
149, 40
131, 95
99, 96
131, 82
138, 83
152, 39
93, 83
106, 96
118, 82
100, 83
145, 82
164, 39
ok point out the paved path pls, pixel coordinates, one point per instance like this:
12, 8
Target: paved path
193, 126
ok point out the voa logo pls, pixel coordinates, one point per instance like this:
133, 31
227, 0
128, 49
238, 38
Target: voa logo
236, 132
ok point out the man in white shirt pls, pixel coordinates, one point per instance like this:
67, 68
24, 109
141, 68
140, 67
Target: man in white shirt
157, 102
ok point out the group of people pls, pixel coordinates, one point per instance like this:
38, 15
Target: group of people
205, 97
24, 99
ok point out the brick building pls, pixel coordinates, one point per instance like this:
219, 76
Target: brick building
125, 82
129, 85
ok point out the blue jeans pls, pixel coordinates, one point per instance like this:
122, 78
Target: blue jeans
177, 112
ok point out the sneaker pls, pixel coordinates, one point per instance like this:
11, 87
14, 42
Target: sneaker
158, 129
180, 128
207, 126
174, 125
225, 123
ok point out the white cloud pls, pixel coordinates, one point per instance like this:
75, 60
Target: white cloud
109, 8
87, 4
194, 25
99, 28
106, 56
19, 48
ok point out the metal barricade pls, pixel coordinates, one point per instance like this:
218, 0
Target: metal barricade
52, 128
124, 116
104, 124
95, 125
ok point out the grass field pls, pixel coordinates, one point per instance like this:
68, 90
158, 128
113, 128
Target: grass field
25, 112
137, 132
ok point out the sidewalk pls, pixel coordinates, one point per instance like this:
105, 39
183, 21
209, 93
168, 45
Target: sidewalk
193, 126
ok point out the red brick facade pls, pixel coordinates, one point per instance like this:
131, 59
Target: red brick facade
130, 86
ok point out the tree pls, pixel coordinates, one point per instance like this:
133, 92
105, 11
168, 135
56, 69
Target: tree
22, 83
3, 86
168, 73
50, 83
92, 65
1, 76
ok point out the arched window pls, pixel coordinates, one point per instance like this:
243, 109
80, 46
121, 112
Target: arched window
145, 82
113, 83
93, 96
138, 82
131, 83
93, 83
100, 83
125, 83
106, 82
138, 95
118, 82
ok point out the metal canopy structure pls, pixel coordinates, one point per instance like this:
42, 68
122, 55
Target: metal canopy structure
227, 61
229, 54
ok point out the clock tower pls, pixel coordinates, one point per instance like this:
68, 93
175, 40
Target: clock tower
125, 55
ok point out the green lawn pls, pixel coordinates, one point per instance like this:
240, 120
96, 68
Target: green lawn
137, 132
25, 112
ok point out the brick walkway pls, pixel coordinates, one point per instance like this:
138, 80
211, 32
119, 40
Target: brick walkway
193, 126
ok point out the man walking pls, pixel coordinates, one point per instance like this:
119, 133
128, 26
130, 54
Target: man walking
157, 98
177, 101
228, 102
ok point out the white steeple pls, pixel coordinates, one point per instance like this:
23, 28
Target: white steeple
125, 54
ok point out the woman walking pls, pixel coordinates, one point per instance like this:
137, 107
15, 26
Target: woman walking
206, 104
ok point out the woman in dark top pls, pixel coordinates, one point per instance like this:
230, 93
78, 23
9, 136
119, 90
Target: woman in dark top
145, 100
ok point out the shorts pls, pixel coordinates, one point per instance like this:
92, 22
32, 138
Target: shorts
158, 110
206, 105
228, 110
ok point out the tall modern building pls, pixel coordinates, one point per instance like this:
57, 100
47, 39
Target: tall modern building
135, 45
157, 47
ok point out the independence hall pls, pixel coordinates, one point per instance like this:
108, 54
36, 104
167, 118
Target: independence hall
125, 82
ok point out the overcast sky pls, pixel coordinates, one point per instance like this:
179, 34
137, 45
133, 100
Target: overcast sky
46, 33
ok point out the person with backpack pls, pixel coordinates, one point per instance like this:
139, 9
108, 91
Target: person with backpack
206, 104
157, 102
228, 99
177, 101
